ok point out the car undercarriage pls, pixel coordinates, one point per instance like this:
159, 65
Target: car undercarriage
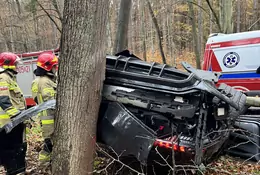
149, 105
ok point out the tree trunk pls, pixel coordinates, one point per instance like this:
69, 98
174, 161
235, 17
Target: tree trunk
81, 75
158, 31
152, 38
238, 15
210, 22
122, 29
11, 28
227, 11
217, 19
221, 13
255, 12
194, 33
143, 31
54, 34
200, 28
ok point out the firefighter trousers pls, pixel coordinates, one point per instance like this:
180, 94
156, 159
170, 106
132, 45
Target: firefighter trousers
47, 123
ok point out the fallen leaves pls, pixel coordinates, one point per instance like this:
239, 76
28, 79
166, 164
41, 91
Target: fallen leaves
234, 166
223, 166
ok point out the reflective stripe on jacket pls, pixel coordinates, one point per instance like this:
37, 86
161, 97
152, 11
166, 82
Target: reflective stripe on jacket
34, 89
46, 91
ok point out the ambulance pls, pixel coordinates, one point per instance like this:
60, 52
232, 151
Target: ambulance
237, 57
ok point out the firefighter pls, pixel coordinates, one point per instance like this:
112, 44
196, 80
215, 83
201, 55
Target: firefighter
47, 65
12, 145
34, 87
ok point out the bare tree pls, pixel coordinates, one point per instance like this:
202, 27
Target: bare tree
217, 19
143, 31
200, 27
238, 15
227, 12
210, 22
81, 75
122, 29
255, 12
158, 31
11, 27
194, 33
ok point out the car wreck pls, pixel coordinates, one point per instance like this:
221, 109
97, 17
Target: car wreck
148, 107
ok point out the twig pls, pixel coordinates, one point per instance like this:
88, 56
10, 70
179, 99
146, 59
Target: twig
164, 159
117, 160
242, 143
104, 169
253, 24
251, 157
49, 16
215, 15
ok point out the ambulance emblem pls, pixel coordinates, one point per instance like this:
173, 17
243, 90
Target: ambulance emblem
231, 59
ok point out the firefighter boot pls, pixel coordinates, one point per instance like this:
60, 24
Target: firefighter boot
45, 155
44, 160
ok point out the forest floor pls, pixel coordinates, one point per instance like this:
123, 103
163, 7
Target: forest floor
225, 165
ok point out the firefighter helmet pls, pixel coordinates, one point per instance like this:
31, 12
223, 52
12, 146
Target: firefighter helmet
46, 61
9, 60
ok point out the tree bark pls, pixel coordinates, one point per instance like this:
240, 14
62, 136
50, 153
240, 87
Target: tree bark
81, 75
18, 6
158, 31
122, 29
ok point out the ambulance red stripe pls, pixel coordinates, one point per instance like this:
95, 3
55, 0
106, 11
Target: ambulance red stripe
236, 42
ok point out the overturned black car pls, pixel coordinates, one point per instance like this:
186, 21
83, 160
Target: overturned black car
149, 108
149, 105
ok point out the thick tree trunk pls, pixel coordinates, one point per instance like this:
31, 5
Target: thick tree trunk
81, 75
122, 29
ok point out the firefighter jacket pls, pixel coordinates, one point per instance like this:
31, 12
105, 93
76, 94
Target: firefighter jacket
46, 91
34, 89
11, 97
